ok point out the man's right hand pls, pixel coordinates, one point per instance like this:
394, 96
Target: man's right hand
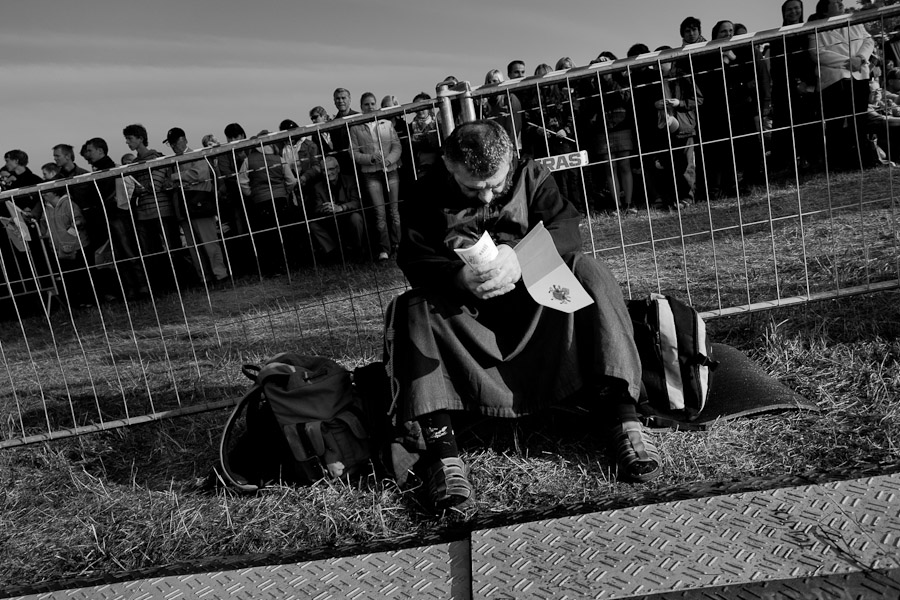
497, 278
469, 280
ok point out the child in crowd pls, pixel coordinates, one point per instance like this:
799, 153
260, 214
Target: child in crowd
50, 171
64, 224
127, 159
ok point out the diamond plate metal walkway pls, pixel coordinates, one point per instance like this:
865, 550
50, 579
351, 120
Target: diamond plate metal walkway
831, 540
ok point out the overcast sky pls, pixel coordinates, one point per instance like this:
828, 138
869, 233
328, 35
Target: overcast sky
84, 68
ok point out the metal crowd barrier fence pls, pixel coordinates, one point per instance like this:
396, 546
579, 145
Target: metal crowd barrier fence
766, 193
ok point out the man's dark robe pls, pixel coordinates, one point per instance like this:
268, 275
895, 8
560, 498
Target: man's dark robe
507, 356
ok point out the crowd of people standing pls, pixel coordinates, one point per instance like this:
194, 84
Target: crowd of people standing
662, 135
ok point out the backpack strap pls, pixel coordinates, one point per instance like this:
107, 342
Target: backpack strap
351, 419
313, 431
230, 477
251, 372
295, 443
274, 369
390, 319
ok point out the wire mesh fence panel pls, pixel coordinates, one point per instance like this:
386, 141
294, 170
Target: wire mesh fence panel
731, 174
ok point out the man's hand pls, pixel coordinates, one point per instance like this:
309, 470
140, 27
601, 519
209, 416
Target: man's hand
494, 279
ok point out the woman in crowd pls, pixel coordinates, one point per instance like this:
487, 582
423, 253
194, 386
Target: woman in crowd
302, 157
744, 99
536, 142
425, 143
322, 139
795, 105
842, 59
715, 124
504, 108
680, 99
613, 135
401, 127
646, 86
376, 151
556, 126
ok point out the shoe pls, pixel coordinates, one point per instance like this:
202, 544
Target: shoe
448, 487
220, 284
383, 256
637, 458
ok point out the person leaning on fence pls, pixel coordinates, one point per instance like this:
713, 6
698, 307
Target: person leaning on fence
406, 169
302, 157
89, 198
266, 184
65, 225
376, 150
475, 340
192, 184
96, 211
123, 244
19, 174
159, 237
425, 143
81, 194
646, 89
340, 137
503, 107
563, 109
842, 59
232, 209
319, 116
337, 219
677, 110
31, 207
612, 135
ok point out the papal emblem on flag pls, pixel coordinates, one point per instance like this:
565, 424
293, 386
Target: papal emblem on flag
560, 294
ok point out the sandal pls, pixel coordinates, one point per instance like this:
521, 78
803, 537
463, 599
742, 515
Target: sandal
448, 486
637, 458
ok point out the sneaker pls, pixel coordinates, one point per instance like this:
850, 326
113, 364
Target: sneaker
383, 256
637, 458
448, 487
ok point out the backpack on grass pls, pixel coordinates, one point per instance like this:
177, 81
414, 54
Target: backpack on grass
676, 357
302, 423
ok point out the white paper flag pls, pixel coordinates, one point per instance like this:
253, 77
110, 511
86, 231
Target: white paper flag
546, 276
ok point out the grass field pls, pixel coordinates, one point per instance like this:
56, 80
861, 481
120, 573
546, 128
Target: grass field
132, 498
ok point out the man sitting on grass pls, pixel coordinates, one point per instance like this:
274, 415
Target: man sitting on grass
475, 340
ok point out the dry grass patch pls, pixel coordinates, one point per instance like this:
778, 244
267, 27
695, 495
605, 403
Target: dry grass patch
132, 498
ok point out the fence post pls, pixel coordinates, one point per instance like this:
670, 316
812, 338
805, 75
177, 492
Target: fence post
446, 91
468, 106
448, 123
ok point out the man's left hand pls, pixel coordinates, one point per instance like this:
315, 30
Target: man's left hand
501, 274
